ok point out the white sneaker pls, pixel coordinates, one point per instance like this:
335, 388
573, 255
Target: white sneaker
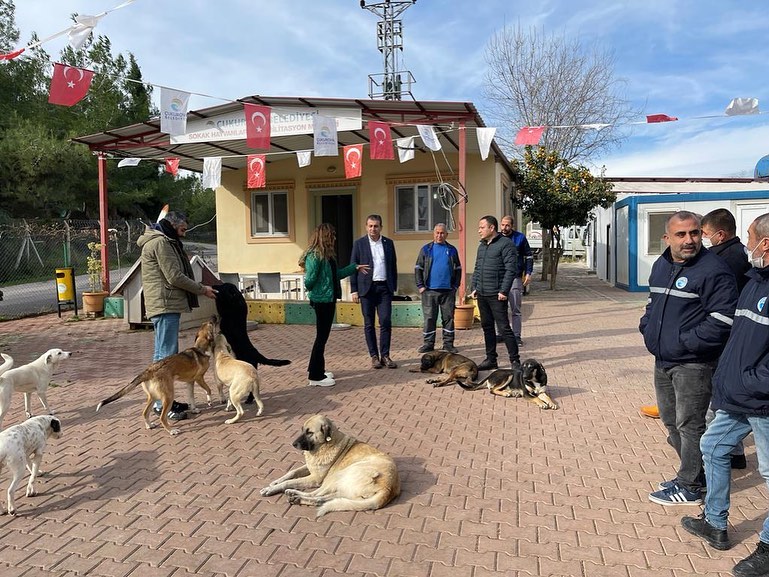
327, 382
329, 374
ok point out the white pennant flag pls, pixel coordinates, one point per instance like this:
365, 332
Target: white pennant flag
405, 148
324, 129
212, 172
740, 106
485, 136
173, 111
303, 157
79, 33
128, 162
428, 136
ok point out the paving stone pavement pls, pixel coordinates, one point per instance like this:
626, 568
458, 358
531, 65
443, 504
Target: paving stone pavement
490, 486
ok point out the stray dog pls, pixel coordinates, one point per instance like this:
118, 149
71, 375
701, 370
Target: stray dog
30, 378
22, 444
529, 382
7, 363
240, 376
188, 366
456, 367
349, 475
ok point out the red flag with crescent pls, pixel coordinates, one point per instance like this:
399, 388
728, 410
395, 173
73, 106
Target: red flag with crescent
381, 141
257, 126
529, 135
652, 118
172, 165
256, 165
353, 160
69, 84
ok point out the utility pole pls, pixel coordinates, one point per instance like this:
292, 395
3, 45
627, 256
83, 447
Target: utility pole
394, 82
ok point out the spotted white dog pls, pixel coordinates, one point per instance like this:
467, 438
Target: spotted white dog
22, 446
31, 378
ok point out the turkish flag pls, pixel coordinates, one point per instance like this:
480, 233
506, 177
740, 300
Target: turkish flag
381, 141
353, 160
257, 126
69, 84
172, 165
529, 135
651, 118
257, 164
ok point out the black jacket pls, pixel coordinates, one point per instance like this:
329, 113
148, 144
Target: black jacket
741, 381
425, 262
690, 309
496, 266
733, 252
361, 254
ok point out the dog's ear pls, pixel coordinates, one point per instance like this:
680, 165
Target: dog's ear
48, 358
326, 429
541, 374
56, 425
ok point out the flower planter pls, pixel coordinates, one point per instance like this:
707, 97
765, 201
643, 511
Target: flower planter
93, 303
464, 315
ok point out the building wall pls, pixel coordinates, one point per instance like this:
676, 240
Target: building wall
372, 194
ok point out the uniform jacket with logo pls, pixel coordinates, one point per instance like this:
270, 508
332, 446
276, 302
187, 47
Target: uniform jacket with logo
425, 262
690, 309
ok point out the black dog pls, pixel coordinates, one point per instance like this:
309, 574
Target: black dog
233, 313
529, 382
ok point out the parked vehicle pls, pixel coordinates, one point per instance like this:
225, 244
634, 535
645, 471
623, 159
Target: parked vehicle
572, 239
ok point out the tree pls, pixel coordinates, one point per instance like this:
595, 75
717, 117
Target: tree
538, 80
555, 193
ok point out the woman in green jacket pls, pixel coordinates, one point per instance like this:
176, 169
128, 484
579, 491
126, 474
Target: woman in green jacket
321, 279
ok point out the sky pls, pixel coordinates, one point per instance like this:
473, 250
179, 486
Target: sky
684, 58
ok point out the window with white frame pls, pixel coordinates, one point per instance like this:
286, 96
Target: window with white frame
418, 208
269, 213
655, 243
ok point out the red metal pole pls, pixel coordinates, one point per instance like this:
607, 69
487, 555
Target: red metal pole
462, 212
103, 222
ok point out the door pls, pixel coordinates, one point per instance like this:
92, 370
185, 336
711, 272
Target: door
337, 209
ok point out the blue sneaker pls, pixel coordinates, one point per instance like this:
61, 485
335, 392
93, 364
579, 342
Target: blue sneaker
676, 495
667, 484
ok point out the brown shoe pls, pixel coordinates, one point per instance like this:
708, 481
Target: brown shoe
376, 363
389, 363
650, 411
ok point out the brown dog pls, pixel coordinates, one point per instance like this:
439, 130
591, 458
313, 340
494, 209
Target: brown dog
158, 379
529, 382
240, 376
456, 367
349, 475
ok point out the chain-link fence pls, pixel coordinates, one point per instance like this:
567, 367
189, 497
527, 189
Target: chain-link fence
32, 250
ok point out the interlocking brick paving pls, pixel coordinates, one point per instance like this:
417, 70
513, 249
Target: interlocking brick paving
491, 486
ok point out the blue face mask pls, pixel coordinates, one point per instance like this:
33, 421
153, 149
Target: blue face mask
755, 262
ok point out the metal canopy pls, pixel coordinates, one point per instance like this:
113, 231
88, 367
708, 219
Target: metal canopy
145, 140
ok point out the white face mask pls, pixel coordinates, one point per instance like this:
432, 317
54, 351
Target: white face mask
756, 262
706, 242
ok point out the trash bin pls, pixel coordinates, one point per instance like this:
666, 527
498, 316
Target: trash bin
65, 288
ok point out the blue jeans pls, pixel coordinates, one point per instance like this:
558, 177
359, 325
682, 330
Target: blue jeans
166, 335
724, 433
379, 301
683, 397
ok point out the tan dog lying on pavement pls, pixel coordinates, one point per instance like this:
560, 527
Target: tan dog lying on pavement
347, 475
22, 444
456, 368
158, 379
240, 376
31, 378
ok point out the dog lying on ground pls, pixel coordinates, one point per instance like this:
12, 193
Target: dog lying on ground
240, 376
31, 378
349, 475
23, 444
188, 366
456, 368
529, 382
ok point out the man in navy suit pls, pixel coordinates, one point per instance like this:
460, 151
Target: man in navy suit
375, 290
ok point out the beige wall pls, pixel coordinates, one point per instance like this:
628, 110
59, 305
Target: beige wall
373, 193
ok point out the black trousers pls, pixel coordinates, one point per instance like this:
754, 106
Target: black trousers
324, 318
494, 311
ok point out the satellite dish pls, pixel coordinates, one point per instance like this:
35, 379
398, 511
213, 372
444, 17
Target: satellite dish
762, 168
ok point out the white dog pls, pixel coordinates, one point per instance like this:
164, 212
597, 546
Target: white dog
31, 378
7, 363
22, 444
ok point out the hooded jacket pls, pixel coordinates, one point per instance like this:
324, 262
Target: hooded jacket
690, 309
741, 381
166, 275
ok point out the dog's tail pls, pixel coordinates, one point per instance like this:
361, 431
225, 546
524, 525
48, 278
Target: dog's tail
125, 390
472, 385
262, 360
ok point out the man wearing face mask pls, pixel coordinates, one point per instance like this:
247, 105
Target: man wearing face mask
741, 402
719, 235
692, 296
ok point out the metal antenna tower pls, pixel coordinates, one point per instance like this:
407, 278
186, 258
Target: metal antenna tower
393, 83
